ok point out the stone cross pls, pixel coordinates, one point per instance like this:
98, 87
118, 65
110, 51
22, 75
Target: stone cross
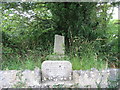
59, 44
57, 70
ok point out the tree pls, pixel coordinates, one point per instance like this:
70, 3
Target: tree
24, 24
74, 20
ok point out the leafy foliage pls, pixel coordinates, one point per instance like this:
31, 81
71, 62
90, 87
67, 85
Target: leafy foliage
29, 28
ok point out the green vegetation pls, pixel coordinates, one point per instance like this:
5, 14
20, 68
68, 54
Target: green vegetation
28, 30
19, 62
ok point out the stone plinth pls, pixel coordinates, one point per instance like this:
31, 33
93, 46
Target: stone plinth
56, 70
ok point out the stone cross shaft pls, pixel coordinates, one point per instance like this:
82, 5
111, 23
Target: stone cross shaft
59, 44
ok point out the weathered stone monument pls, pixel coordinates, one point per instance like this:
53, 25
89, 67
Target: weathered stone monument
59, 48
57, 70
59, 44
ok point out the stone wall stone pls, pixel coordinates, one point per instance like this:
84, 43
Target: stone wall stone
20, 78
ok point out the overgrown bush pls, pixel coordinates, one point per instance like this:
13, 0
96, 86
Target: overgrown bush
28, 29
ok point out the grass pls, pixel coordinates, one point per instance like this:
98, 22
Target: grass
31, 61
87, 63
18, 63
88, 59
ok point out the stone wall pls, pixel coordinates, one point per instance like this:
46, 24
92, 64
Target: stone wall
94, 78
81, 79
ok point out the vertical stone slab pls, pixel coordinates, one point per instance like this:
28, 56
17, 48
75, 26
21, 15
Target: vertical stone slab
59, 44
56, 70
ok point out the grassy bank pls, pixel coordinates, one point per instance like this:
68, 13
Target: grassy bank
18, 62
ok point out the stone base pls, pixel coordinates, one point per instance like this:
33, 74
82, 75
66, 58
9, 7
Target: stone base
58, 83
56, 70
57, 57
